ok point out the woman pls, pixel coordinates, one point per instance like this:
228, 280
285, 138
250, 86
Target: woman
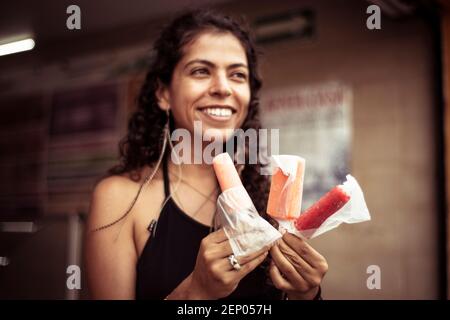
149, 229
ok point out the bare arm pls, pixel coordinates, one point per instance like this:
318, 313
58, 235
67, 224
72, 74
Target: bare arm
110, 254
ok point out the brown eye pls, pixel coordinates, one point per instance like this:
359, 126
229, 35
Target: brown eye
200, 72
239, 75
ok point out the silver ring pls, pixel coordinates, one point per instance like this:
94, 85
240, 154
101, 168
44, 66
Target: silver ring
234, 263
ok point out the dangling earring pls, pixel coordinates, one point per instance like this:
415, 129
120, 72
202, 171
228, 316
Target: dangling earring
148, 178
165, 132
166, 126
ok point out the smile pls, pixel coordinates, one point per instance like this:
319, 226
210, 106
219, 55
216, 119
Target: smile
218, 112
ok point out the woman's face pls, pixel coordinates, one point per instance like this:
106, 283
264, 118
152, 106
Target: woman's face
209, 84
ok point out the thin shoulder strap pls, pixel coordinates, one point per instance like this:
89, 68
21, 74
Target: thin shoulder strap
166, 177
152, 226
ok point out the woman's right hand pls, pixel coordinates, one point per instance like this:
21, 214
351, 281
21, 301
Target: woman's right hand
213, 276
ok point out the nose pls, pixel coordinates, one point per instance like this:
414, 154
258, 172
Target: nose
220, 87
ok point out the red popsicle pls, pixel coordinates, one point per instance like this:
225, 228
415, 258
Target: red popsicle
329, 204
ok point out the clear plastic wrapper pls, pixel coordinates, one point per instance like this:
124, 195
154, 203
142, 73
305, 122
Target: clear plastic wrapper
353, 210
246, 230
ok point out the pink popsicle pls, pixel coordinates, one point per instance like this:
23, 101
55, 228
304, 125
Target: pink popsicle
226, 172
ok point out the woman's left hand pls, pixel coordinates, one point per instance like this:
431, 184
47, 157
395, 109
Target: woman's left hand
297, 268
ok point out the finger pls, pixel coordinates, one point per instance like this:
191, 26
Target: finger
286, 268
224, 265
278, 281
295, 259
217, 236
221, 250
251, 265
312, 276
245, 259
311, 256
215, 251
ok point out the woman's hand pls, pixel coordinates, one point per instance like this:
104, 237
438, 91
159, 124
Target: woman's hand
213, 276
297, 268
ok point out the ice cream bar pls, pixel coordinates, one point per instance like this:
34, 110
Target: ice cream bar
285, 195
226, 172
329, 204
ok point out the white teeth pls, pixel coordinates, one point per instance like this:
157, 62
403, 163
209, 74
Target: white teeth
218, 112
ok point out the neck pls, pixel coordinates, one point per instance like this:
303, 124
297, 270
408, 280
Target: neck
195, 168
192, 171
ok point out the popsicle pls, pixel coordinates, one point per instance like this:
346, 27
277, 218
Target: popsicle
285, 195
225, 171
320, 211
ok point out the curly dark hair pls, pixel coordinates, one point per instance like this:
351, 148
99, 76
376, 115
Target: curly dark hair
142, 144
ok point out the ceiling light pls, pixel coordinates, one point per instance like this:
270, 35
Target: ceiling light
16, 46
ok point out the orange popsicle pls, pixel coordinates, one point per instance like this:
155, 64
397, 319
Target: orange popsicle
285, 197
226, 172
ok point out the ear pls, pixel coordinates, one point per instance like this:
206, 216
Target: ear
163, 96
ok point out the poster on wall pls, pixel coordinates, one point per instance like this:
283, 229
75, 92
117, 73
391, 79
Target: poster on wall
315, 123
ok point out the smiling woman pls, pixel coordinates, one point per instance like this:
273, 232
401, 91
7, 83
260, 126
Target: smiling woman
150, 227
207, 86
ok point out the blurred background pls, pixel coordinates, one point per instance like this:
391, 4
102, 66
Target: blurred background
351, 92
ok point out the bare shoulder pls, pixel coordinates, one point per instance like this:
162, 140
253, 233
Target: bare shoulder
110, 253
109, 199
111, 187
114, 195
115, 188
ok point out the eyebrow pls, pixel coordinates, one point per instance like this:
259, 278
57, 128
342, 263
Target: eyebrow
210, 64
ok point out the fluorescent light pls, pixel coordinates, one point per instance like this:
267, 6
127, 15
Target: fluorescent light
16, 46
22, 226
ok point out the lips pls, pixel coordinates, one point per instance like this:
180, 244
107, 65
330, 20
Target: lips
219, 107
218, 111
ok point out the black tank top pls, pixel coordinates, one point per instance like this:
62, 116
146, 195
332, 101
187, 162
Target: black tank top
170, 254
